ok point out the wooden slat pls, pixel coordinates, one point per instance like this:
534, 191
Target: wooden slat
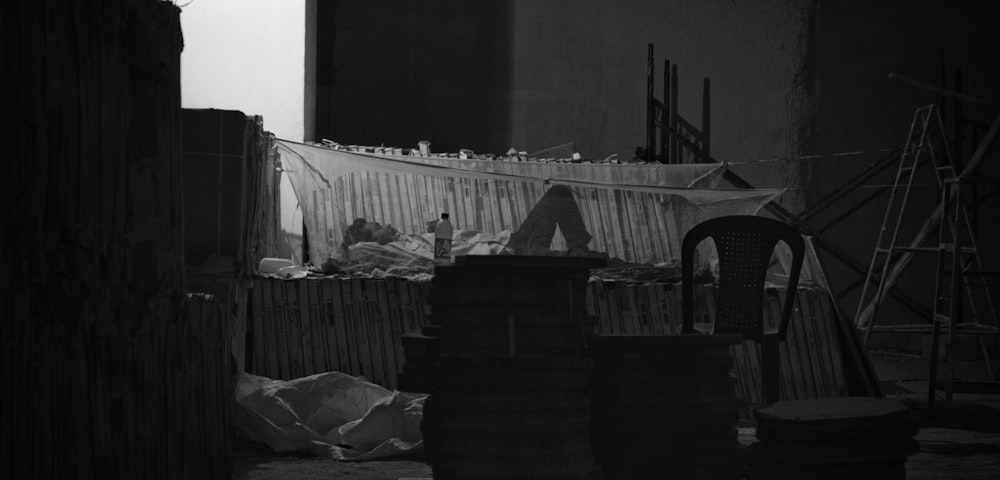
608, 218
622, 227
327, 326
806, 348
755, 386
299, 344
350, 326
705, 297
827, 312
395, 320
361, 328
412, 222
601, 295
301, 355
374, 192
815, 347
647, 235
651, 292
390, 199
271, 331
493, 214
486, 211
316, 330
257, 317
821, 354
339, 322
316, 326
636, 311
817, 309
344, 192
388, 342
672, 306
501, 193
407, 222
789, 350
283, 322
615, 307
798, 351
376, 340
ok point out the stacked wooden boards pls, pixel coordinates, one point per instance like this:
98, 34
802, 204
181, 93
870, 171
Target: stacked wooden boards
664, 406
346, 324
420, 350
823, 439
508, 392
110, 370
150, 400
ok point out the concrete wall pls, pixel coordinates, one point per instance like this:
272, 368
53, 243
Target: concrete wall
533, 75
395, 73
580, 72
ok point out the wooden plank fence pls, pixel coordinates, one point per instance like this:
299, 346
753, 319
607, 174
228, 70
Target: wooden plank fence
355, 325
351, 325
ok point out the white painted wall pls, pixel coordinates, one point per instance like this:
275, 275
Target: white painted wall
251, 56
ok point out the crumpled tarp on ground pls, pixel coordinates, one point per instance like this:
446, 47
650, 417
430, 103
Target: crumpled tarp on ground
331, 415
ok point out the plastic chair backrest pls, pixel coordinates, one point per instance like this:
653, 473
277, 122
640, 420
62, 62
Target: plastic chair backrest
744, 244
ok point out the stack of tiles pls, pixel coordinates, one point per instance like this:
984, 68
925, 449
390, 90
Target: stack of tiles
421, 351
664, 406
853, 437
508, 393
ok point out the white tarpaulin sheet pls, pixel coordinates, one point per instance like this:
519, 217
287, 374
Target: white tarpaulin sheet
637, 213
330, 415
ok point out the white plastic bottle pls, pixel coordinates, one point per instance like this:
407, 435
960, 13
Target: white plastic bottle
442, 241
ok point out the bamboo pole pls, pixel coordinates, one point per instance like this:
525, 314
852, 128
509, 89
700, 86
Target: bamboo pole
986, 102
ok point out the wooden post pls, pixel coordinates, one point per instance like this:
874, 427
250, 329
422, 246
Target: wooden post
665, 115
986, 102
650, 106
706, 122
675, 146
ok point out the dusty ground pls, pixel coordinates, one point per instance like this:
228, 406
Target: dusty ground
962, 445
257, 462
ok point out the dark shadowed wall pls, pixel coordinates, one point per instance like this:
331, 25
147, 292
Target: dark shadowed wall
532, 75
395, 73
789, 80
857, 108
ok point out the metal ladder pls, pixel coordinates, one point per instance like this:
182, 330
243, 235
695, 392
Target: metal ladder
959, 261
889, 255
956, 254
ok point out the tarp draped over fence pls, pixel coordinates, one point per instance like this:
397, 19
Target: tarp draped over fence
638, 213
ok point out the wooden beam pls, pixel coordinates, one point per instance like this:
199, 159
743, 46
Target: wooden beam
986, 102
